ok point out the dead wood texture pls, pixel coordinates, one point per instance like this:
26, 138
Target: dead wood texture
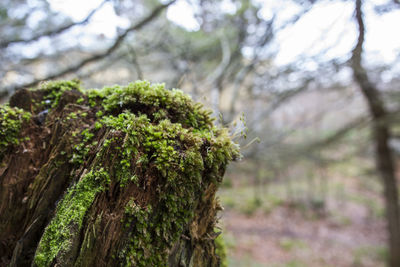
123, 176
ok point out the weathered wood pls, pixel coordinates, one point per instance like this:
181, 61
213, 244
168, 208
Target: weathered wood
123, 176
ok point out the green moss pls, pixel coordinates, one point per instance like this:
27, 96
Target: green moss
80, 100
11, 120
176, 153
153, 100
81, 150
54, 90
69, 216
151, 132
220, 250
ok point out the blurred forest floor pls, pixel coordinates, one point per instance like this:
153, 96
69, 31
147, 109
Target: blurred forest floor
347, 228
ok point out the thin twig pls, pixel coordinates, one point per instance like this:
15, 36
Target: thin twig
53, 32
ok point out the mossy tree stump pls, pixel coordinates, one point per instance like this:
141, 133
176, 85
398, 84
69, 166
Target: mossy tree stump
123, 176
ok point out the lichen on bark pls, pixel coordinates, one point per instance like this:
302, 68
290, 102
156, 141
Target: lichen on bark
127, 177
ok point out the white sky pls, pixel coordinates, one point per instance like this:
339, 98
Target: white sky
104, 21
329, 21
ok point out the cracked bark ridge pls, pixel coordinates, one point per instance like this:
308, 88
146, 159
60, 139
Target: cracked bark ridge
123, 176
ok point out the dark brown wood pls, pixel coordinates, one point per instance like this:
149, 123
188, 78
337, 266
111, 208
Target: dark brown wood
381, 135
37, 175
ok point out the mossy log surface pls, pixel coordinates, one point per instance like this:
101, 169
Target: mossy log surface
122, 176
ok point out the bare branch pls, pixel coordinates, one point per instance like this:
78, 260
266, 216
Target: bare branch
226, 58
385, 162
135, 63
339, 134
95, 57
101, 66
240, 77
217, 75
53, 32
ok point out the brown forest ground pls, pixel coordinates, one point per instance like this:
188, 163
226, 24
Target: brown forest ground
350, 233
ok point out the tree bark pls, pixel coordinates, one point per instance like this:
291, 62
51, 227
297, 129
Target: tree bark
381, 135
123, 176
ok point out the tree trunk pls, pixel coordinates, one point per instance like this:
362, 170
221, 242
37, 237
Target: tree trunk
381, 136
123, 176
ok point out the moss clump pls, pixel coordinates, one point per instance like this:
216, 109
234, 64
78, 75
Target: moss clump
69, 216
81, 150
220, 250
153, 100
145, 139
54, 90
11, 120
176, 154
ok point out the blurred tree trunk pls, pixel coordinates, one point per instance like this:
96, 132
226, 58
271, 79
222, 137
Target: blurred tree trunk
381, 135
73, 192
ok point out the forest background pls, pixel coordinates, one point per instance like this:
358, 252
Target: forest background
309, 88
